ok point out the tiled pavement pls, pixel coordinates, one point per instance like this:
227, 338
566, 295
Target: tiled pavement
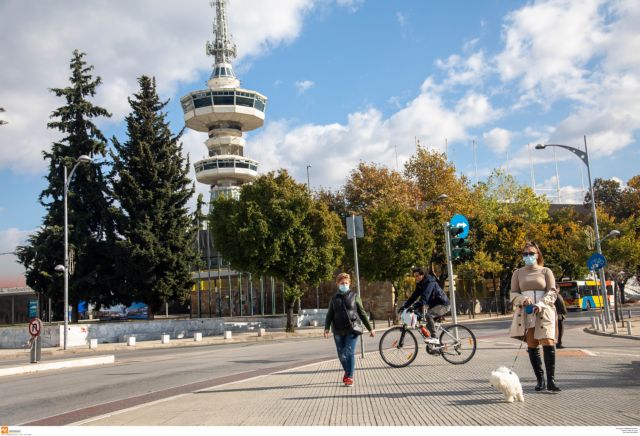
600, 378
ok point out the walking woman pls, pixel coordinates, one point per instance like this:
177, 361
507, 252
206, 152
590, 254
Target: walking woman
346, 316
533, 294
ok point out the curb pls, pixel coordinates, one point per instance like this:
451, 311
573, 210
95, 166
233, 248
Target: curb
67, 363
611, 335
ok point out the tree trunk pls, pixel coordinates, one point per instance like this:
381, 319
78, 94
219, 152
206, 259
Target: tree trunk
291, 328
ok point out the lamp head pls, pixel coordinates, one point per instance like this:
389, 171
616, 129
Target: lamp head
614, 233
442, 196
59, 268
84, 159
540, 147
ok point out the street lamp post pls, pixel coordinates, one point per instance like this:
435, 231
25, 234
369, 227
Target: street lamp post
584, 156
308, 184
82, 159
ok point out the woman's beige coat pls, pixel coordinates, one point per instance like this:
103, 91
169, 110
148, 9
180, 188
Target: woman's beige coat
545, 327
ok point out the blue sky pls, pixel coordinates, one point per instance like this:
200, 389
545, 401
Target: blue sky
347, 81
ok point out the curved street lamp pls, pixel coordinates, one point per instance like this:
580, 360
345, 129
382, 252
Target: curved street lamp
65, 268
584, 156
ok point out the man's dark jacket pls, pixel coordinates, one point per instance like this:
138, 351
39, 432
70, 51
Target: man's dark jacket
427, 293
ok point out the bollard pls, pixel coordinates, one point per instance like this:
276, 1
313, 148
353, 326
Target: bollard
93, 344
615, 327
227, 334
33, 350
261, 332
629, 328
594, 323
603, 325
165, 339
39, 348
197, 336
131, 341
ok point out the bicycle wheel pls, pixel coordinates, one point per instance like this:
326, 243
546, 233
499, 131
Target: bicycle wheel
398, 347
458, 344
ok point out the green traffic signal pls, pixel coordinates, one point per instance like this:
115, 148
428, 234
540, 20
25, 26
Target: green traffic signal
460, 250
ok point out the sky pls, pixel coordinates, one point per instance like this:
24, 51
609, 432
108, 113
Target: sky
346, 81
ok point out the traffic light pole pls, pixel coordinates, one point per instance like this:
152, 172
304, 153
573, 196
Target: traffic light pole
452, 282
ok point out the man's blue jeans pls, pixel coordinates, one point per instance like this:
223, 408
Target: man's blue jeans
346, 346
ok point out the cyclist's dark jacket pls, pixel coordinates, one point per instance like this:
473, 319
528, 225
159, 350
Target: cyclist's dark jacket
340, 318
427, 293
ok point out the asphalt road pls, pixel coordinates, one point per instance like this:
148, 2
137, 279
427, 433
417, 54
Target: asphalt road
158, 373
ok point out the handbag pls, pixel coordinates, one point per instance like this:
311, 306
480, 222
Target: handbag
356, 327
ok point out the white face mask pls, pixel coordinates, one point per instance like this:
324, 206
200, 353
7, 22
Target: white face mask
530, 260
344, 288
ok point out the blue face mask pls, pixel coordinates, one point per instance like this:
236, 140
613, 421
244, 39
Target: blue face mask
530, 260
344, 288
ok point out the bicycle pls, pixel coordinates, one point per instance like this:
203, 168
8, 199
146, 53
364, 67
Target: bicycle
399, 347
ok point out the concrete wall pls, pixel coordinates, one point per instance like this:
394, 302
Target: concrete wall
112, 332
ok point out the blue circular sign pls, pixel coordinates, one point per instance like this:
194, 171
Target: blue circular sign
596, 261
459, 220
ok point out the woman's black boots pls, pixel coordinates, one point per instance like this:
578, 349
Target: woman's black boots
536, 363
550, 365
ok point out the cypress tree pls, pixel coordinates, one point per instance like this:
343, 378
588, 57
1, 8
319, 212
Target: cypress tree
90, 227
150, 182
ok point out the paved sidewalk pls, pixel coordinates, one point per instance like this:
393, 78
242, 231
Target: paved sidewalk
599, 377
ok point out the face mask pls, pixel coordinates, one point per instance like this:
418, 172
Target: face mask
530, 260
344, 288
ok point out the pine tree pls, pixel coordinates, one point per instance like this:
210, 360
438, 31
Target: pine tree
150, 183
90, 227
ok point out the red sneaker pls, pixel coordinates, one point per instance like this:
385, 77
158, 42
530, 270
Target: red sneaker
348, 381
344, 377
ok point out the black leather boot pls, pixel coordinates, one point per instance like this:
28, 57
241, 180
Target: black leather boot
550, 365
536, 363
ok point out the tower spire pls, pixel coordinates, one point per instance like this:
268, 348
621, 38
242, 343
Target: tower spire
222, 49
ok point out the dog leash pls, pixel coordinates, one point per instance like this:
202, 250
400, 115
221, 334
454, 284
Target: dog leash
517, 354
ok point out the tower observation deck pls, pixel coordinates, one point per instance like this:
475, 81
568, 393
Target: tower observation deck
224, 110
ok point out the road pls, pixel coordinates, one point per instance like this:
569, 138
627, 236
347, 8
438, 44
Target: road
160, 373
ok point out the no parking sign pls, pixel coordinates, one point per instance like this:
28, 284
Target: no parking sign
35, 327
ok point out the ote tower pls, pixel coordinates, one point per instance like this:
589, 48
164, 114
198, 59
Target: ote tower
224, 111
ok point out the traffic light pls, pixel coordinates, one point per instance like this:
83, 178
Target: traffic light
460, 250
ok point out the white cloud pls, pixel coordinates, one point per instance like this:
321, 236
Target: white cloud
497, 139
335, 149
547, 47
568, 194
123, 40
304, 85
11, 272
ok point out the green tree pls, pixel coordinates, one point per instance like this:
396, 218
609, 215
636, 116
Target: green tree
90, 226
394, 241
608, 193
434, 176
151, 185
277, 229
370, 185
630, 201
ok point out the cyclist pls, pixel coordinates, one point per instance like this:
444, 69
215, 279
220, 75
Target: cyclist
430, 300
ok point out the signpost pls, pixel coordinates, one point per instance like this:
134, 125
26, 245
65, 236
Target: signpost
597, 262
456, 223
35, 328
355, 230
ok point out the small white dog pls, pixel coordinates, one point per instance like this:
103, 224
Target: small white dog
507, 382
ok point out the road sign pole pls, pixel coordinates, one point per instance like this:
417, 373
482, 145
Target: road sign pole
452, 282
355, 260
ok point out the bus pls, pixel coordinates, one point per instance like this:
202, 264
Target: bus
584, 294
